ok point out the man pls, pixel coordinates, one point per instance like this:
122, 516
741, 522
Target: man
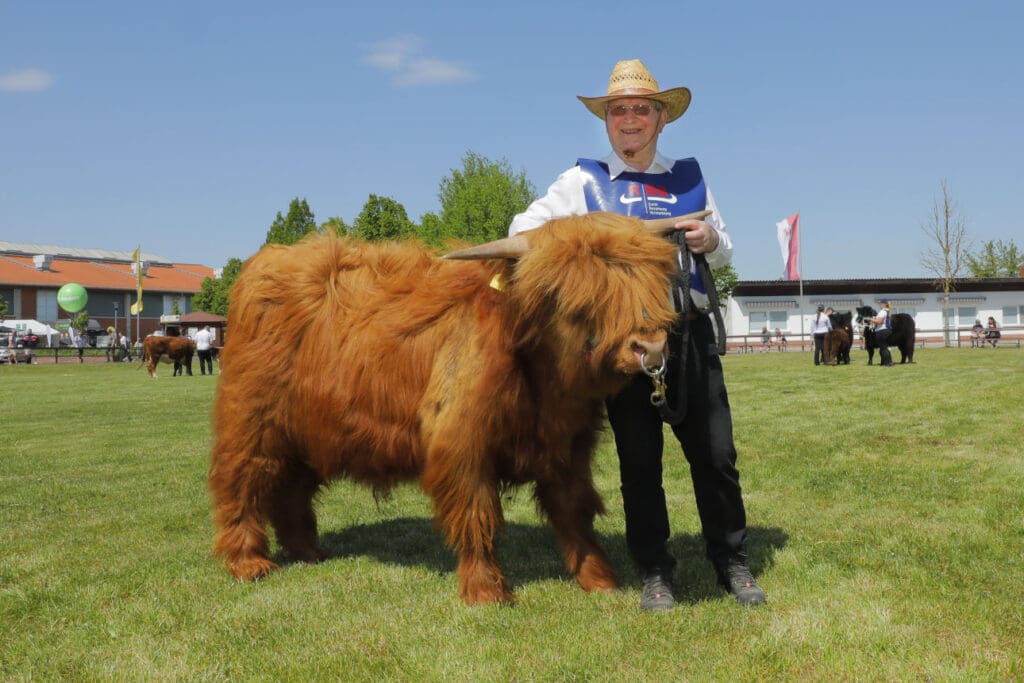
204, 342
79, 340
820, 326
883, 331
126, 349
636, 180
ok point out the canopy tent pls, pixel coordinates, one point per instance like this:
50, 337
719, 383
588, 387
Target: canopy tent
46, 334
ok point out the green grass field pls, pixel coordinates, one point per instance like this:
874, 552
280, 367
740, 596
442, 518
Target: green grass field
885, 518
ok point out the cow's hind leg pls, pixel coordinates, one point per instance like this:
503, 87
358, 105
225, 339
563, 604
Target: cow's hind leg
570, 506
240, 481
291, 512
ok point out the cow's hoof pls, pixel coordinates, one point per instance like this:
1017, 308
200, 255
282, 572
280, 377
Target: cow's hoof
503, 597
307, 555
252, 569
597, 576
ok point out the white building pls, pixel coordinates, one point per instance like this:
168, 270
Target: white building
780, 305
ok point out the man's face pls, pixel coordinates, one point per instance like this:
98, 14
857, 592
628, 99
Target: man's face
632, 134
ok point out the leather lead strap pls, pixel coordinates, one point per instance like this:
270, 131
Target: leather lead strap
673, 410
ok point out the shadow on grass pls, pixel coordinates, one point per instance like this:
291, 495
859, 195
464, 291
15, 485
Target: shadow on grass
529, 553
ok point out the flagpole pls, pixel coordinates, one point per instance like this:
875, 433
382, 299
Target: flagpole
800, 268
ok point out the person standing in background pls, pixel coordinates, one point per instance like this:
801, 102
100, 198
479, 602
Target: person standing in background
204, 342
820, 326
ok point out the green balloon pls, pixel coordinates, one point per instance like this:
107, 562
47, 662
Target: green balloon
72, 297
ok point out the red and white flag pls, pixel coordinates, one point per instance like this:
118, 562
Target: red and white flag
789, 241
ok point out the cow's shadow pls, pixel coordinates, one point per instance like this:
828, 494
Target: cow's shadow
529, 553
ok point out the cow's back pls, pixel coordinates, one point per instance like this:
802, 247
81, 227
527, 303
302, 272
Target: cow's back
332, 350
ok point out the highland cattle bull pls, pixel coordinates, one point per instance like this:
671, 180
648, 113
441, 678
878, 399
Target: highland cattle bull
177, 350
904, 333
469, 376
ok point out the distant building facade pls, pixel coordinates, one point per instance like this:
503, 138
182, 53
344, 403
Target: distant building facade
31, 275
780, 305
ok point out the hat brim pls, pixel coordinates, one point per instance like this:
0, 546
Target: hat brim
675, 101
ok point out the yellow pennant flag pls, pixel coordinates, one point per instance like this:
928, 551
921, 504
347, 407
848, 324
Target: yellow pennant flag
136, 307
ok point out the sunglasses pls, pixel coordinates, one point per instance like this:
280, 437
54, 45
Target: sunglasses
637, 109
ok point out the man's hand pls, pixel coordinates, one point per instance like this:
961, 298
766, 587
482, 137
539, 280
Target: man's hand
701, 238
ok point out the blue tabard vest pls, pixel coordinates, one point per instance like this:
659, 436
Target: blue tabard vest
648, 195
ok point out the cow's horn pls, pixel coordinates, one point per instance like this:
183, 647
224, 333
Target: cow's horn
508, 247
664, 225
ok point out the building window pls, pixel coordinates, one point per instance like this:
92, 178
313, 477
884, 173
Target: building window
773, 319
1011, 315
46, 306
966, 315
909, 310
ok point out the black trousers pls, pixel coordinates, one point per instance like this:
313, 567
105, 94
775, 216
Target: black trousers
882, 336
205, 361
706, 438
819, 349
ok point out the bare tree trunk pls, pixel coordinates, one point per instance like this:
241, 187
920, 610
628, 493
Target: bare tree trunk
947, 233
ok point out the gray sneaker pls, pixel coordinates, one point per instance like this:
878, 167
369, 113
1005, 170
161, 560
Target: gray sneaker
737, 579
657, 592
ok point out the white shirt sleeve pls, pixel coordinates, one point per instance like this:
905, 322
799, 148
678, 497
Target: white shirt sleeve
723, 252
564, 198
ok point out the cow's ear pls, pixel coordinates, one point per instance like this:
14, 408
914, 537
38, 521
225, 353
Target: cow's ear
662, 226
508, 247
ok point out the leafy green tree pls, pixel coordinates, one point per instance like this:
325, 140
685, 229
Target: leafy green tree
81, 320
996, 259
291, 228
335, 224
479, 201
725, 278
4, 308
431, 230
382, 218
214, 293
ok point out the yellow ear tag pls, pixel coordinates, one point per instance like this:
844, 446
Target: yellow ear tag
496, 282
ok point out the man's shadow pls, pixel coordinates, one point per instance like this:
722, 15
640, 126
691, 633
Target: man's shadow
528, 553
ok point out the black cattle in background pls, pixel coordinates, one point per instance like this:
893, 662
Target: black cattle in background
837, 345
904, 332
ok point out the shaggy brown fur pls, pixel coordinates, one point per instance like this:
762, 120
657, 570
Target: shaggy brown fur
177, 350
837, 347
411, 367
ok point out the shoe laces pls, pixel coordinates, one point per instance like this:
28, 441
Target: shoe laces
740, 573
656, 586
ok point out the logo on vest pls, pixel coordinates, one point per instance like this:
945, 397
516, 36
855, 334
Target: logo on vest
637, 192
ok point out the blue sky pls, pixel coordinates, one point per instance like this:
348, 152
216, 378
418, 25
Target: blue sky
185, 127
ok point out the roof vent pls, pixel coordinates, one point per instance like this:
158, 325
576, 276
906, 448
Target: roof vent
42, 261
142, 266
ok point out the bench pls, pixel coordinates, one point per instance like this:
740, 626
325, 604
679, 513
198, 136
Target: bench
1006, 340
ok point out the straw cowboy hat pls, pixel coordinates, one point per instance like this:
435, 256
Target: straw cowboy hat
630, 78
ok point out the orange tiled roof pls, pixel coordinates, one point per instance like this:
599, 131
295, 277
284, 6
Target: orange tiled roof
175, 278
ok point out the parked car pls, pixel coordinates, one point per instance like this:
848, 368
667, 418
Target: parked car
21, 354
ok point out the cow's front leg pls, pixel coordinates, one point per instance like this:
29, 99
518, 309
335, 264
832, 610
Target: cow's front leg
468, 512
571, 504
